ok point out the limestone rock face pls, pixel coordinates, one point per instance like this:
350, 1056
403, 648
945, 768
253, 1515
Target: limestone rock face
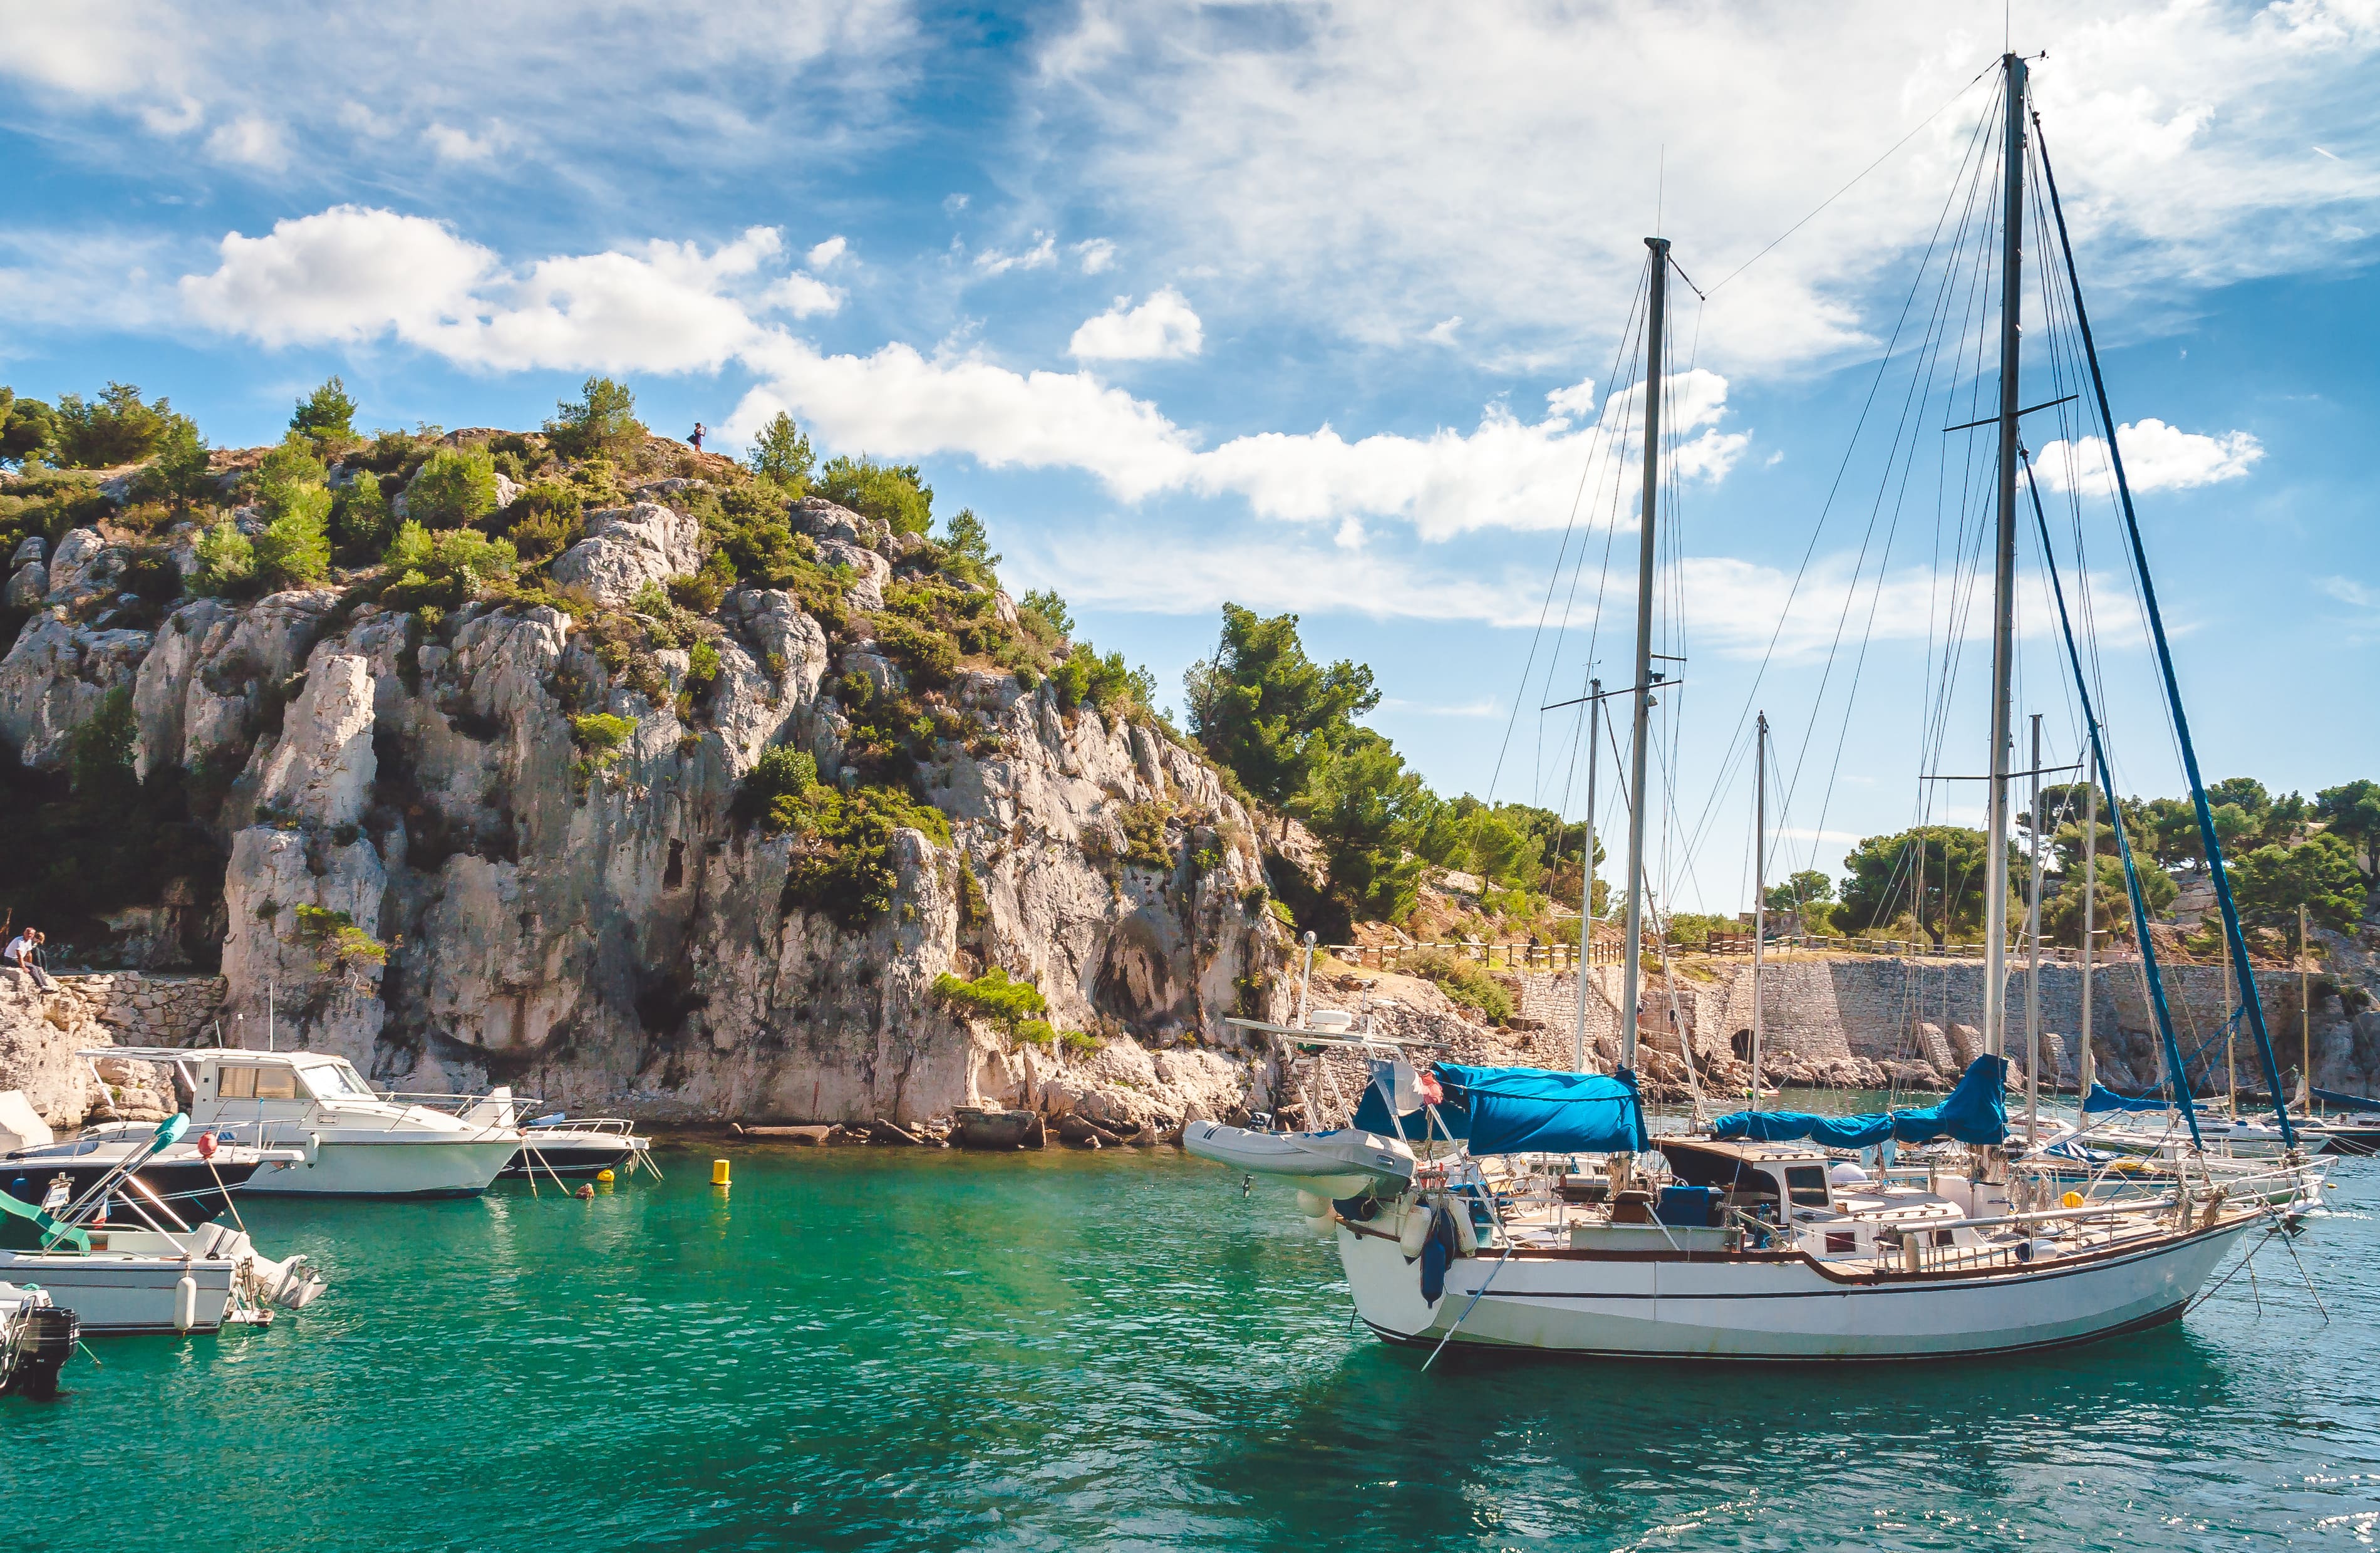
430, 874
30, 586
54, 678
627, 547
84, 566
39, 1032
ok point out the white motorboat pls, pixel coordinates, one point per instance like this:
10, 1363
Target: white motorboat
37, 1337
575, 1149
151, 1273
357, 1143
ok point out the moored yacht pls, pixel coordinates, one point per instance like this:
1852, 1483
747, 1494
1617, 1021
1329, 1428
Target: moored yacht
358, 1144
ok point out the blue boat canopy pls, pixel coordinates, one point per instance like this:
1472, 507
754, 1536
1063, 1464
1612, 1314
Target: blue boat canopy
1520, 1110
1539, 1111
2346, 1102
1976, 1112
2102, 1098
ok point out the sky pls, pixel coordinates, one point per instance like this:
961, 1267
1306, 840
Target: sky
1315, 307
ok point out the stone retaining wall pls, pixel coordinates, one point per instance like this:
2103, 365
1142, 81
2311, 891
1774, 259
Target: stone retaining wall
1832, 1009
142, 1010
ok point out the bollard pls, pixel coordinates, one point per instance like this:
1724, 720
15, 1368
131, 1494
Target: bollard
719, 1173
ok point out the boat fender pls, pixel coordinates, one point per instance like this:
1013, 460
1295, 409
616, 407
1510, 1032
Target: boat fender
1437, 1254
1312, 1204
1465, 1238
603, 1175
185, 1304
1414, 1232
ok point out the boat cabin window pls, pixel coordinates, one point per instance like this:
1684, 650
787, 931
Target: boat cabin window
1807, 1185
337, 1081
240, 1082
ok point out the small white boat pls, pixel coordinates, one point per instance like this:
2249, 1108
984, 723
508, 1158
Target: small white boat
37, 1336
1337, 1163
356, 1142
154, 1274
572, 1149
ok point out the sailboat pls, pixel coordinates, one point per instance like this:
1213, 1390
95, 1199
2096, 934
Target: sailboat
1758, 1241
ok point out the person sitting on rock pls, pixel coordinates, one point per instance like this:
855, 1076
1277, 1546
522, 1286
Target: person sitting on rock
24, 953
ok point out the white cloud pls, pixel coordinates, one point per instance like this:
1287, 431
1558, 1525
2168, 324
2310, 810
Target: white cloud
250, 142
449, 144
594, 85
350, 274
1097, 255
1120, 566
1334, 161
2157, 458
1041, 256
2347, 590
1484, 707
1737, 608
1443, 332
826, 253
1161, 329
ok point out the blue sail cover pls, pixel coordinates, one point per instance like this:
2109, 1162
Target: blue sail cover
2346, 1102
2102, 1098
1413, 1126
1976, 1111
1537, 1111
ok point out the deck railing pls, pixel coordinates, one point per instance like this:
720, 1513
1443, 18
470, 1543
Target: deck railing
1563, 956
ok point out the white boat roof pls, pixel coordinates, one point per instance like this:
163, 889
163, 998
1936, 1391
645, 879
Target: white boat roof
189, 1053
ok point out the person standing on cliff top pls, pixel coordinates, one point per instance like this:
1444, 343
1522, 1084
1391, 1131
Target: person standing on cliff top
696, 438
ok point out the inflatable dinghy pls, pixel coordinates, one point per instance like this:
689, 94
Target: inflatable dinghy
1338, 1163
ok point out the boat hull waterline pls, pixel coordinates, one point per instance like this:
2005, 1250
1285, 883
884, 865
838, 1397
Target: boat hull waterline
1784, 1309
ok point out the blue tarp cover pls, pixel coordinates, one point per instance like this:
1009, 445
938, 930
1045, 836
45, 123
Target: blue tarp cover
1976, 1111
1372, 1116
1537, 1111
2346, 1102
2102, 1098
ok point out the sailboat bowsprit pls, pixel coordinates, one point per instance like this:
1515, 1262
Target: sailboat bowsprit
1754, 1242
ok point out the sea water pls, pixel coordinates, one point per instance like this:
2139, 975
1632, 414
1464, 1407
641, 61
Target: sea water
874, 1349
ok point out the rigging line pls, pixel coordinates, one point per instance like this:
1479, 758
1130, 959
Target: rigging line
1902, 433
1825, 508
1554, 579
1863, 173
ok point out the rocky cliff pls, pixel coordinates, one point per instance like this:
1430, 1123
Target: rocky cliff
512, 841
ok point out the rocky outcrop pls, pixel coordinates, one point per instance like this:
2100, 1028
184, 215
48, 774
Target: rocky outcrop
56, 676
432, 873
627, 547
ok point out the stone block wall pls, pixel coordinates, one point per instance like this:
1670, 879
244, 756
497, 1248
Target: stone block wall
142, 1010
1828, 1010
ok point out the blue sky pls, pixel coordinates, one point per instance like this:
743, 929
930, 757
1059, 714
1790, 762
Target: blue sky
1303, 305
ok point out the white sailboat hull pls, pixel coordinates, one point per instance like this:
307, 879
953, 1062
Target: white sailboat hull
393, 1165
1665, 1306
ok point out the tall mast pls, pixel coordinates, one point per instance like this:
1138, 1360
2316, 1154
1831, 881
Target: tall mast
2305, 1014
1759, 887
1587, 877
2033, 958
1632, 965
2004, 574
2090, 898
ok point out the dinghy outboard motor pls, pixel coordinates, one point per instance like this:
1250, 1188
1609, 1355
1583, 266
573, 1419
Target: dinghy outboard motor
44, 1343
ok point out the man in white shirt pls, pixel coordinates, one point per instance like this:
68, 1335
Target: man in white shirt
19, 950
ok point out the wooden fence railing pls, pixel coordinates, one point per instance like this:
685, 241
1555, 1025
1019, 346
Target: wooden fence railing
1606, 951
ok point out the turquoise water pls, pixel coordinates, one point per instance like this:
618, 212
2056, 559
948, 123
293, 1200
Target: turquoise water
880, 1350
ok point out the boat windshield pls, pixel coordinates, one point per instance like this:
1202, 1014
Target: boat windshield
1807, 1184
337, 1081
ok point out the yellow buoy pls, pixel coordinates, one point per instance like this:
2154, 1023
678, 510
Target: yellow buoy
719, 1173
603, 1175
2072, 1199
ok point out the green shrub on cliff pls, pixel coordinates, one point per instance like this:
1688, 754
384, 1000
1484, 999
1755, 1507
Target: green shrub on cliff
326, 417
841, 862
995, 997
895, 495
445, 570
781, 456
226, 562
1464, 982
601, 420
118, 427
26, 428
454, 486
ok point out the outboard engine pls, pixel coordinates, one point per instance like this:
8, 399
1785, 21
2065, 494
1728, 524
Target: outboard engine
44, 1343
